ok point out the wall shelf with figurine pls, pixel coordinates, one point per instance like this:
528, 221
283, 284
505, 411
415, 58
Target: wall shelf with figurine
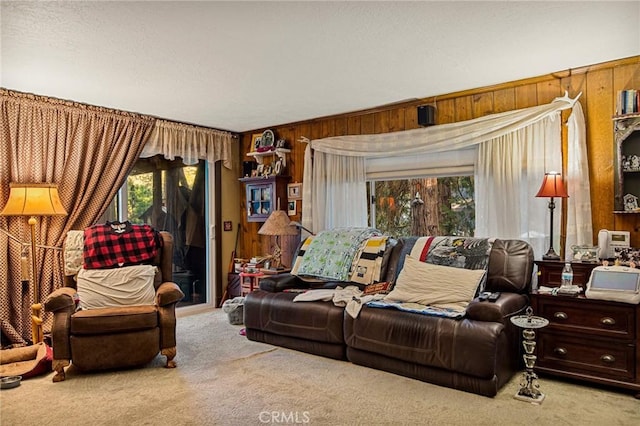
281, 153
627, 170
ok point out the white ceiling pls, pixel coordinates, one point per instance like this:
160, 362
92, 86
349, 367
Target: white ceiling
247, 65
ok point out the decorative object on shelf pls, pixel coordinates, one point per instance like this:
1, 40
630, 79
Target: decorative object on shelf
291, 208
277, 168
585, 253
281, 143
260, 170
277, 224
294, 191
552, 186
267, 170
256, 141
530, 388
630, 163
627, 102
630, 203
267, 141
34, 199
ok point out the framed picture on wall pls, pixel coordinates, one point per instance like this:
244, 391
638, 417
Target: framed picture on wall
294, 191
291, 208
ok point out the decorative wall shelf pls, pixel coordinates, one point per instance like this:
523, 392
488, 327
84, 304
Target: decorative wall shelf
281, 153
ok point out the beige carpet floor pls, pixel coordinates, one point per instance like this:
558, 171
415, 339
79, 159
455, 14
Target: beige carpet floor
224, 379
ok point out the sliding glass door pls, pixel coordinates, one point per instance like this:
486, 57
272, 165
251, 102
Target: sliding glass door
171, 197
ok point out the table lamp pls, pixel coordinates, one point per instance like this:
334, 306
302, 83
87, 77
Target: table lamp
34, 199
277, 224
552, 186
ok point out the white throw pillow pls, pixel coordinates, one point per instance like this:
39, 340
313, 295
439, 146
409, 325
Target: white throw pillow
126, 286
435, 285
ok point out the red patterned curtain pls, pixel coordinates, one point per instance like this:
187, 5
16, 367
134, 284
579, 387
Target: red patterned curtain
88, 151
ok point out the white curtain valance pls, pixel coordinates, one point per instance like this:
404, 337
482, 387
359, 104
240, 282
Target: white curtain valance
443, 137
191, 143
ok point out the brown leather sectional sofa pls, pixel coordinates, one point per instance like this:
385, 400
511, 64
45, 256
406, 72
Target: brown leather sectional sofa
477, 354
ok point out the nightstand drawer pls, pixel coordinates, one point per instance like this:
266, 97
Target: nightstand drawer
602, 358
585, 316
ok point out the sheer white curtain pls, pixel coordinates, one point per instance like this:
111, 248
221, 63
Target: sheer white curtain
191, 143
579, 225
513, 184
509, 171
336, 179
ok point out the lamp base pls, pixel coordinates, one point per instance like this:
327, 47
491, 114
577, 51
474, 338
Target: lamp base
551, 255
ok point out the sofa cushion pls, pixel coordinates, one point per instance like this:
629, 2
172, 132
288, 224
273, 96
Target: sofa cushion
114, 320
465, 346
437, 285
275, 313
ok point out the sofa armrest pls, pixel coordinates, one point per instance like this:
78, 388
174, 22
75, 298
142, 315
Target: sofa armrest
280, 282
61, 299
507, 305
168, 293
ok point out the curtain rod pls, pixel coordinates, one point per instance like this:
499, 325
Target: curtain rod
114, 110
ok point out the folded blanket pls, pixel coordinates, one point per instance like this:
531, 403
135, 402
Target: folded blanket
350, 297
418, 309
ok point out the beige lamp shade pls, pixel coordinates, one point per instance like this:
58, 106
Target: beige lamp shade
33, 199
278, 223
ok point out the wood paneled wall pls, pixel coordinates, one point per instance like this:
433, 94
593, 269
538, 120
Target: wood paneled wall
598, 84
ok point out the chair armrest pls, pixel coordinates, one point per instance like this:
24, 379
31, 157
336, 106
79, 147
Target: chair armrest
507, 305
280, 282
60, 299
168, 293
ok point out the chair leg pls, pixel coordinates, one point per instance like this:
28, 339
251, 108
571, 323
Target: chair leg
58, 366
170, 353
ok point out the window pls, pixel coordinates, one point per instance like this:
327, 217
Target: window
171, 197
424, 206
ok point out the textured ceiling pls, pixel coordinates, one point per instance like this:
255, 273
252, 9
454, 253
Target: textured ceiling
246, 65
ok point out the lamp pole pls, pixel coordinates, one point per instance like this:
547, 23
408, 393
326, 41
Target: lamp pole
551, 253
36, 309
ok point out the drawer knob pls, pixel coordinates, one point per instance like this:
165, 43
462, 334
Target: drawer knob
608, 321
560, 351
609, 359
560, 315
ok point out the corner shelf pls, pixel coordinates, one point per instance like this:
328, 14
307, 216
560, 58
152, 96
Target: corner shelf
281, 153
627, 144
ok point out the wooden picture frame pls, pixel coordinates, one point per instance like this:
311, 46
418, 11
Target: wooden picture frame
292, 208
294, 191
256, 139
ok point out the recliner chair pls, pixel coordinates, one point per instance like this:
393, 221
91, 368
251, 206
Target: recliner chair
116, 337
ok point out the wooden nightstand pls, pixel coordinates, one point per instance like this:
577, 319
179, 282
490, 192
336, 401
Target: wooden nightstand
587, 339
550, 272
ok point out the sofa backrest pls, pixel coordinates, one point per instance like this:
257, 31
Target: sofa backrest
510, 265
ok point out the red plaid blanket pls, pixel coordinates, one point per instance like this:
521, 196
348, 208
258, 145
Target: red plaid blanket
117, 244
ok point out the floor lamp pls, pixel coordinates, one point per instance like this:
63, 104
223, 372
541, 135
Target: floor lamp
552, 186
277, 224
34, 199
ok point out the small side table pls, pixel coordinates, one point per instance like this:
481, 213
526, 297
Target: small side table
529, 390
249, 282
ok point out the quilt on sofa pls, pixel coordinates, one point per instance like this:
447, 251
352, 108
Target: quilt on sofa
344, 254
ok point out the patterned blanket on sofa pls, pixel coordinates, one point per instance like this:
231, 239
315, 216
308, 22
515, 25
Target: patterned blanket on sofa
342, 254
